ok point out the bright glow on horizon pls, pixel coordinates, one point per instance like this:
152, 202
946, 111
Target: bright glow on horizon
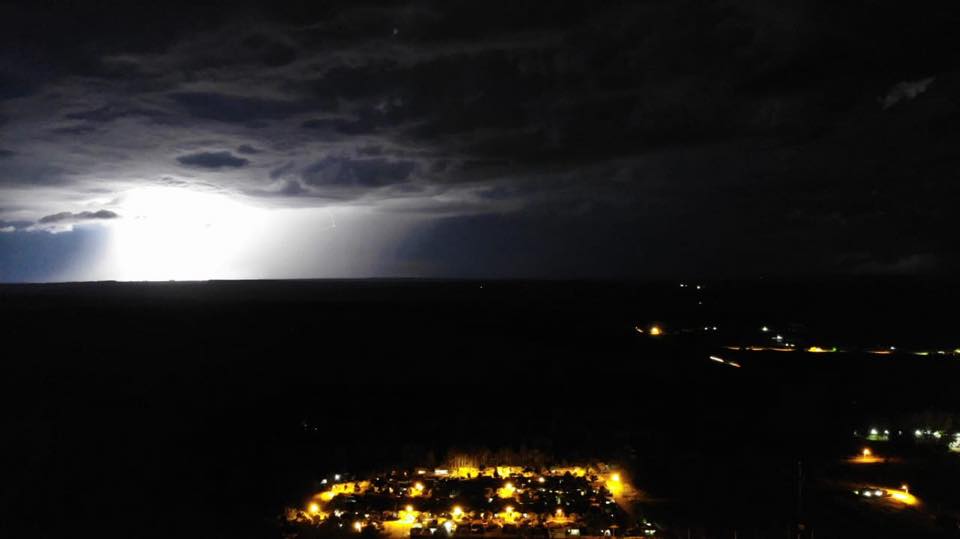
180, 234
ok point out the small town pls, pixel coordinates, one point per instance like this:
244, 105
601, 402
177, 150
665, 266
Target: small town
496, 501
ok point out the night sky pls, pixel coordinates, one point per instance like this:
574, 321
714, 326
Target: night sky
736, 139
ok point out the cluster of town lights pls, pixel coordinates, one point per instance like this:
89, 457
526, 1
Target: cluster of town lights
518, 483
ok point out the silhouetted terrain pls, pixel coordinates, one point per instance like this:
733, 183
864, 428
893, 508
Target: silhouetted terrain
200, 409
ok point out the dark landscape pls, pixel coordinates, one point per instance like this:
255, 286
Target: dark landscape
192, 409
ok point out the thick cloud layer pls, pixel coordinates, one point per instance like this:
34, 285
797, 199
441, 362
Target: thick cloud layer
732, 137
212, 160
81, 216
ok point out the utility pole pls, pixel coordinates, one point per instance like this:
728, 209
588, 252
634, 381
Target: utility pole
800, 526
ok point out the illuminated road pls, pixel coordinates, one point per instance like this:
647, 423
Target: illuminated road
899, 498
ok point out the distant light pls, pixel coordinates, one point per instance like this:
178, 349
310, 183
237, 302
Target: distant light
541, 480
448, 525
698, 287
903, 496
506, 491
324, 482
615, 478
867, 452
409, 508
683, 285
457, 511
918, 433
357, 526
314, 508
764, 329
419, 487
655, 331
873, 432
336, 477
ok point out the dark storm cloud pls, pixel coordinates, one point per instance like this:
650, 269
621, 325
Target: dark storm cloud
66, 216
213, 160
77, 129
247, 149
751, 129
109, 113
337, 127
270, 52
283, 170
911, 264
906, 90
234, 108
26, 170
286, 188
12, 86
363, 173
